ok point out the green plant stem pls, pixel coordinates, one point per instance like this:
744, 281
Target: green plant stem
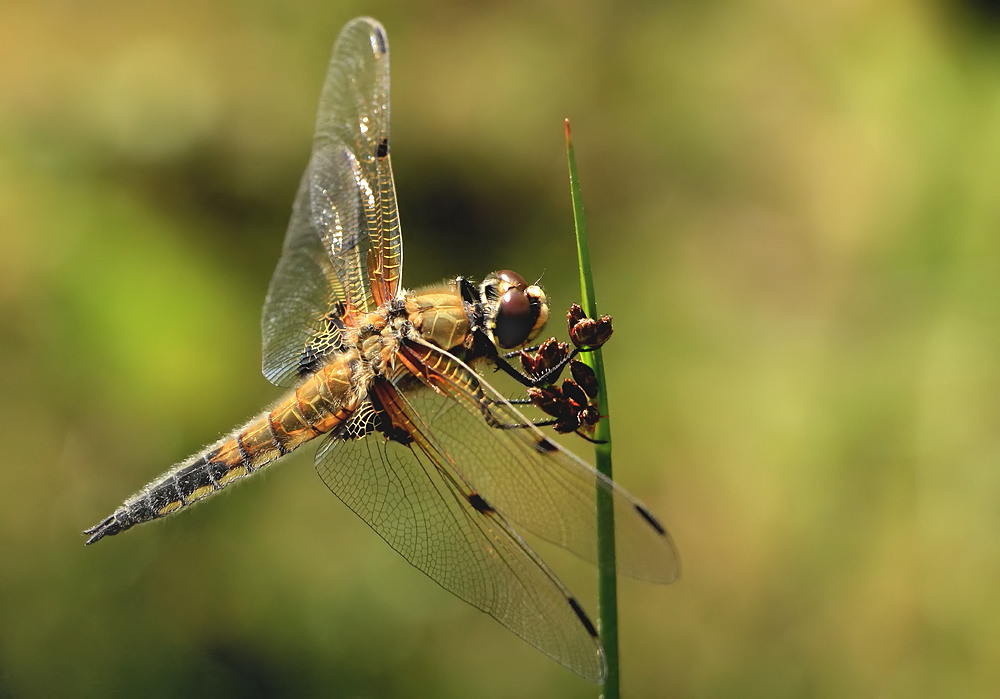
607, 577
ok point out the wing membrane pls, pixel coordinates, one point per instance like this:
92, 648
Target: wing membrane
343, 242
304, 287
413, 498
533, 481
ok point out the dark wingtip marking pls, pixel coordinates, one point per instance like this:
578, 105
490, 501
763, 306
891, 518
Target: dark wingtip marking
648, 516
582, 615
479, 504
545, 445
383, 42
383, 148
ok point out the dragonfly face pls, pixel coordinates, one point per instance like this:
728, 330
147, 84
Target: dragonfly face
411, 437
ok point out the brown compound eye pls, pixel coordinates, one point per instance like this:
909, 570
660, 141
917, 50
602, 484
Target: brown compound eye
512, 279
516, 317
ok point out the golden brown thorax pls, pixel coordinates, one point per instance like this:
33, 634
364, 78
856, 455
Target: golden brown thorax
438, 315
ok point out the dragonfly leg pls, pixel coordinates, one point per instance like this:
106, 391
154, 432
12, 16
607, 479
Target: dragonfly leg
548, 376
544, 422
544, 363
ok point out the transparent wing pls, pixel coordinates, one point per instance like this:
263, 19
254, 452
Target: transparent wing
411, 495
304, 287
352, 135
533, 481
343, 242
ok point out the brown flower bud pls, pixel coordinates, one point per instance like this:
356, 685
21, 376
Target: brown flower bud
572, 392
550, 401
584, 376
587, 333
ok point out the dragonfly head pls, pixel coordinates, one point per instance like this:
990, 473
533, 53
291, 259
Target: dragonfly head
515, 311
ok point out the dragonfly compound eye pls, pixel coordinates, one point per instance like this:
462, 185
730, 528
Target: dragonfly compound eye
512, 279
521, 314
515, 319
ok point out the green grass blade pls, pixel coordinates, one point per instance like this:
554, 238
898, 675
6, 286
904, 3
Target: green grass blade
607, 577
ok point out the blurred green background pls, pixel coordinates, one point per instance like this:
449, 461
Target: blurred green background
794, 220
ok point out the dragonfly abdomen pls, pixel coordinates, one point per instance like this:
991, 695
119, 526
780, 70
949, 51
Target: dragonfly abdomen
319, 405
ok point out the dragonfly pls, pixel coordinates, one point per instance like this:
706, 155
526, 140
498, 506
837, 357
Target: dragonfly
392, 385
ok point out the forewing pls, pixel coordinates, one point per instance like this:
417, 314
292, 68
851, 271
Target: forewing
354, 119
343, 242
413, 498
533, 481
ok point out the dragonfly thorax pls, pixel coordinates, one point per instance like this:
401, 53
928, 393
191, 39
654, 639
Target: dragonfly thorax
438, 316
503, 311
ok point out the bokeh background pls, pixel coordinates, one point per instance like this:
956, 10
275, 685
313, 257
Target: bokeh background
795, 221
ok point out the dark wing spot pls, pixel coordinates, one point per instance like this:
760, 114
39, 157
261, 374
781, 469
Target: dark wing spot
545, 445
393, 433
582, 615
383, 148
478, 504
385, 424
648, 516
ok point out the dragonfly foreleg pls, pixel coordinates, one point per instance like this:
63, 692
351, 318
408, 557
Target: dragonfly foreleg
556, 423
544, 376
571, 406
543, 364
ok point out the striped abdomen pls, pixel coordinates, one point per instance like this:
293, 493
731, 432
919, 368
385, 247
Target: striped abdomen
319, 405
